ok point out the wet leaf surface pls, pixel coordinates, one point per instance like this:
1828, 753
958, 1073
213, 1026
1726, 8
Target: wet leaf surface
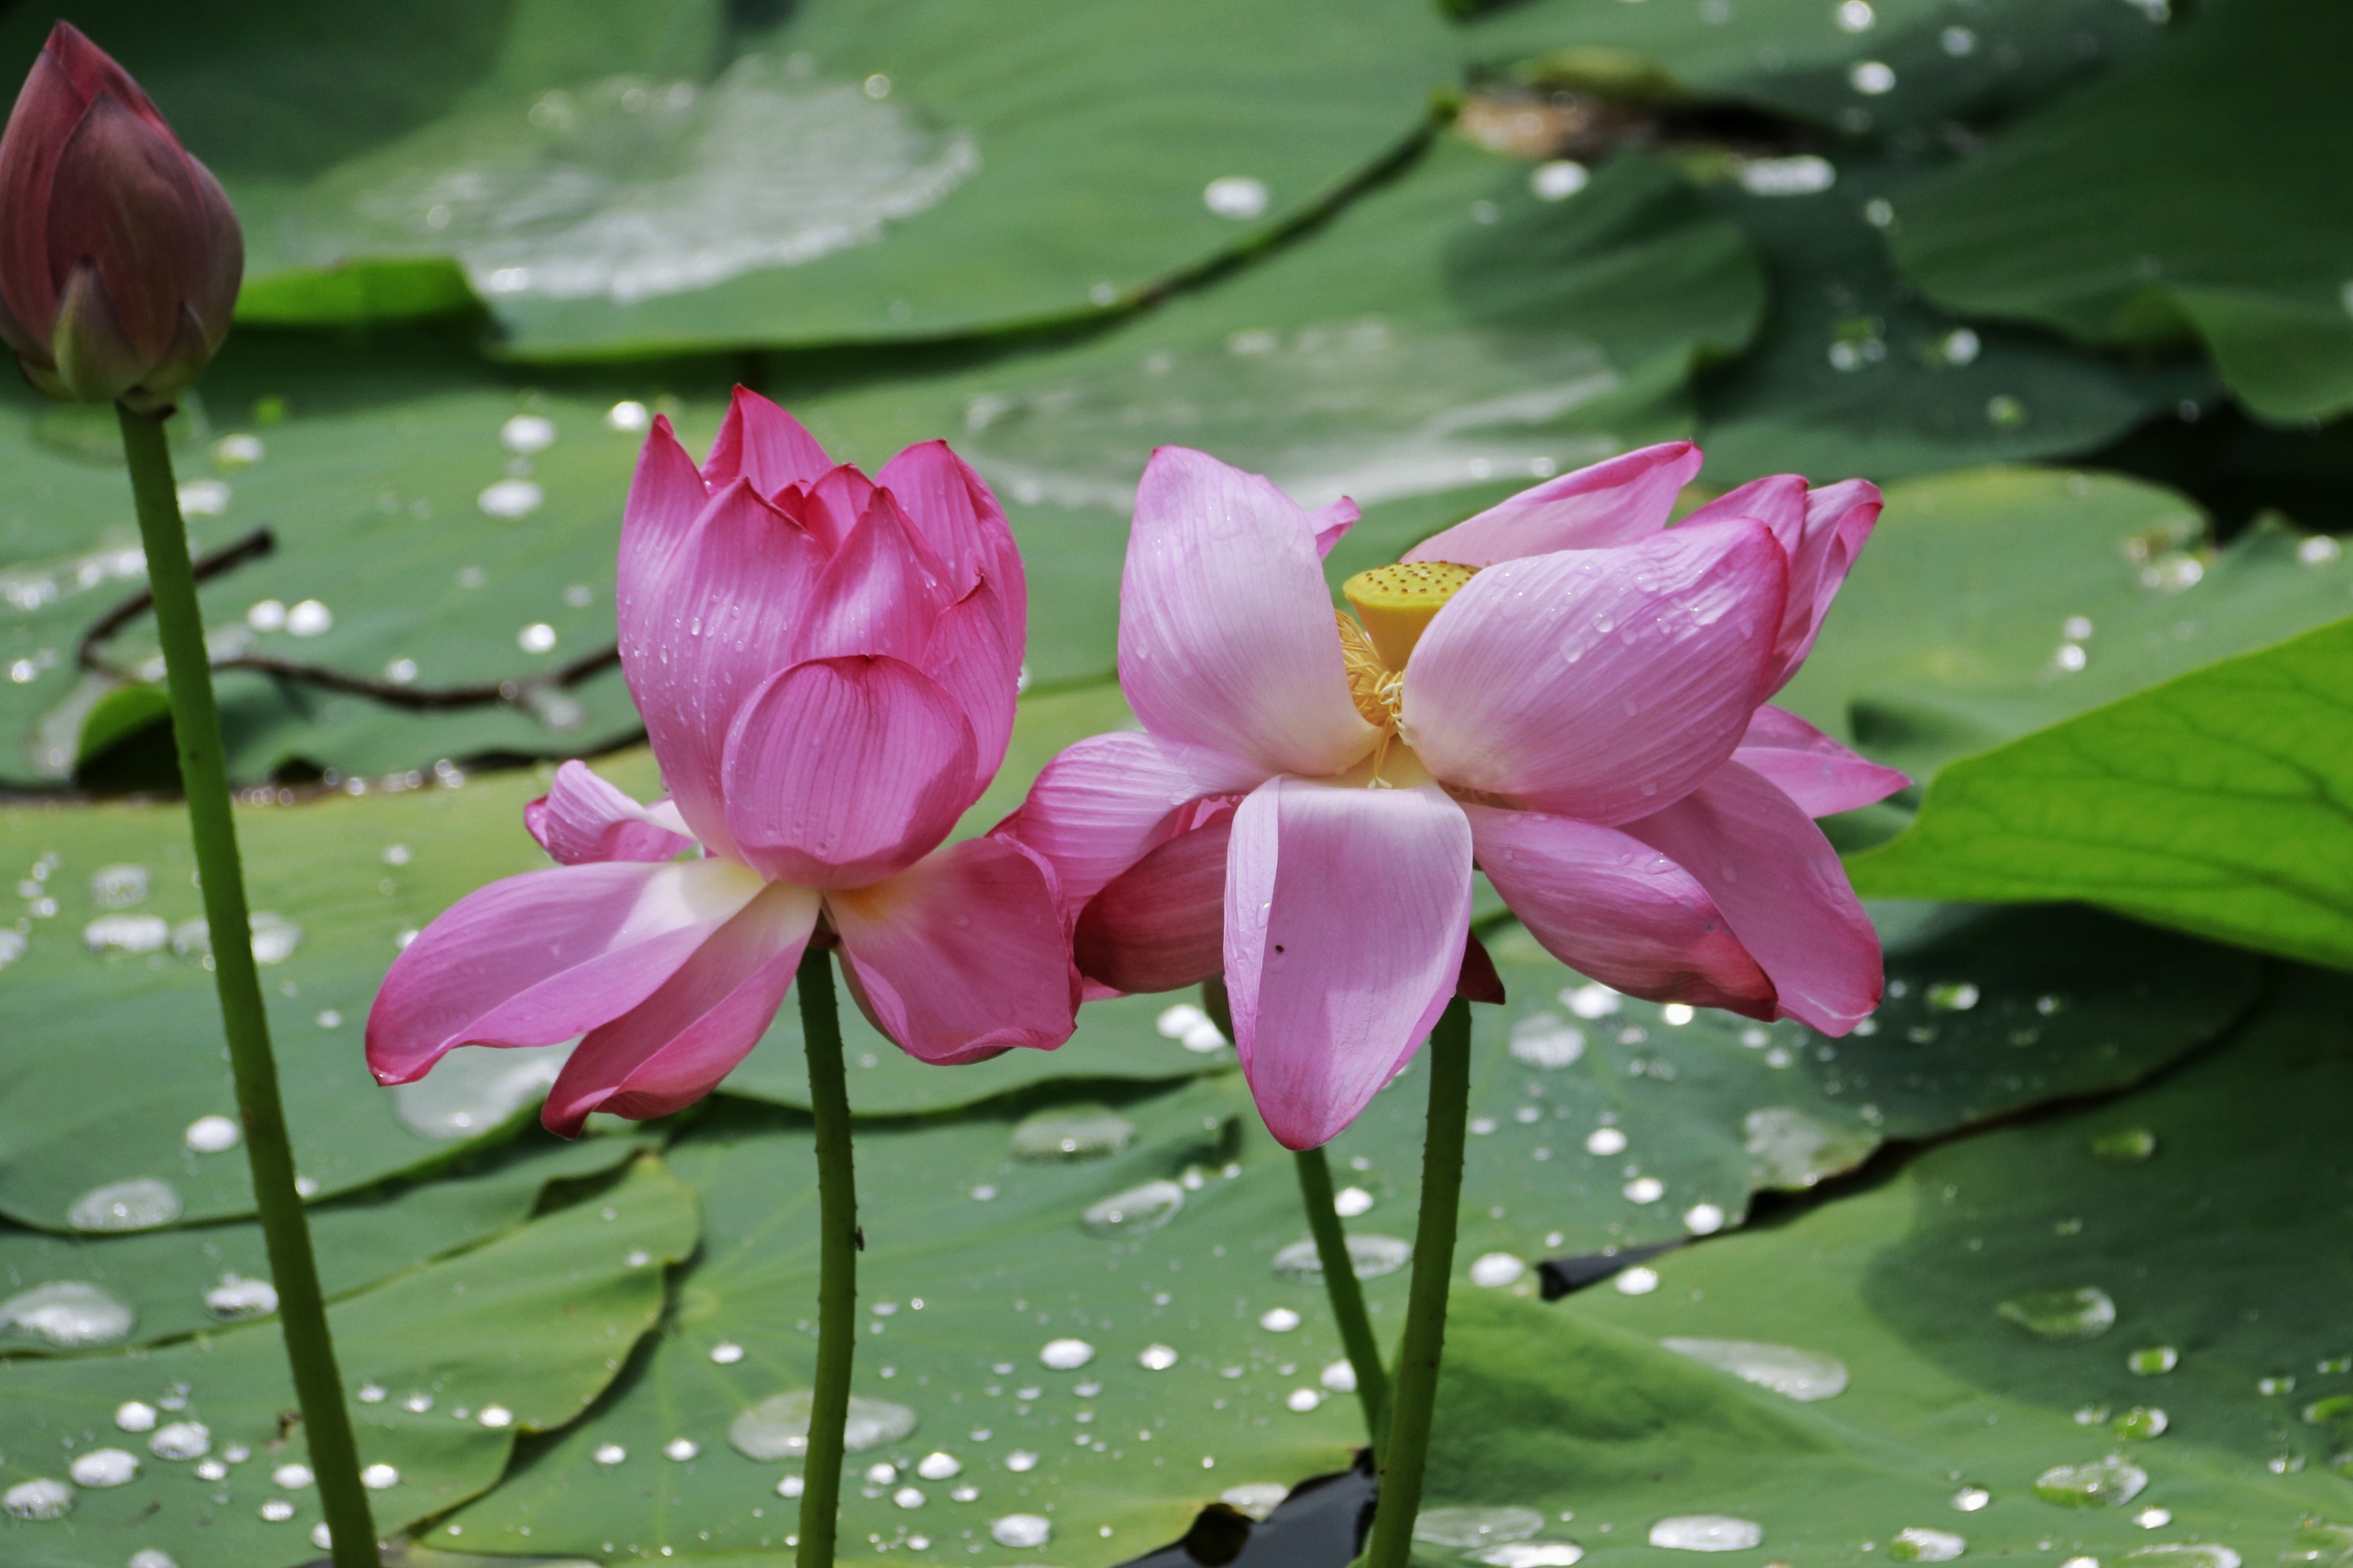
519, 1335
624, 177
2217, 1246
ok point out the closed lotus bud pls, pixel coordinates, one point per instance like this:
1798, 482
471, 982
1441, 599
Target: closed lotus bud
120, 256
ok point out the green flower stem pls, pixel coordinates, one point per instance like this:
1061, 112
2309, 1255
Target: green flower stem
204, 777
1348, 1296
838, 1245
1340, 1284
1416, 1396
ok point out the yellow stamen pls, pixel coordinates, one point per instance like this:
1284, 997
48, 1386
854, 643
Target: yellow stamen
1397, 603
1375, 690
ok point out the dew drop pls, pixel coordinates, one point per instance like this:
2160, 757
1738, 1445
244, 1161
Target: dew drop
103, 1467
2082, 1313
235, 1299
212, 1135
69, 1314
1495, 1269
777, 1428
1156, 1358
1023, 1530
1919, 1545
1255, 1500
1370, 1256
2104, 1483
181, 1440
1071, 1132
1475, 1526
1135, 1211
38, 1499
2125, 1145
1707, 1532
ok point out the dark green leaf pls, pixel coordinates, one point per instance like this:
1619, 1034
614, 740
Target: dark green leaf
1854, 376
1809, 59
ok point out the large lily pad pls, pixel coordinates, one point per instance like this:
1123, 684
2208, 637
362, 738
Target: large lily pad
1996, 601
1006, 1253
1448, 338
2214, 802
1855, 374
1934, 60
447, 1366
2221, 1246
2118, 218
625, 176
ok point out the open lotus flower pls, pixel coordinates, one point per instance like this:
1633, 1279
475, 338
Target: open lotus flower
827, 666
120, 259
1561, 687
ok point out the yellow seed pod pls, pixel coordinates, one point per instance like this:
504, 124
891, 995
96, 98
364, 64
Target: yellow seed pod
1395, 603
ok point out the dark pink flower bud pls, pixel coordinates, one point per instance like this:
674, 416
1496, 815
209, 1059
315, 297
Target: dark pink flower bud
120, 256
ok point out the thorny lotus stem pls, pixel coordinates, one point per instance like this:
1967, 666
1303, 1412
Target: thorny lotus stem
837, 1248
1340, 1284
1416, 1395
204, 778
1348, 1296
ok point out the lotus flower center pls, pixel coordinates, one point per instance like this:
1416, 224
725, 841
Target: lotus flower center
1396, 604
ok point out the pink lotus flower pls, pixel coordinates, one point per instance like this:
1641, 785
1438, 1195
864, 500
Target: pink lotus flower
1561, 688
120, 258
827, 666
